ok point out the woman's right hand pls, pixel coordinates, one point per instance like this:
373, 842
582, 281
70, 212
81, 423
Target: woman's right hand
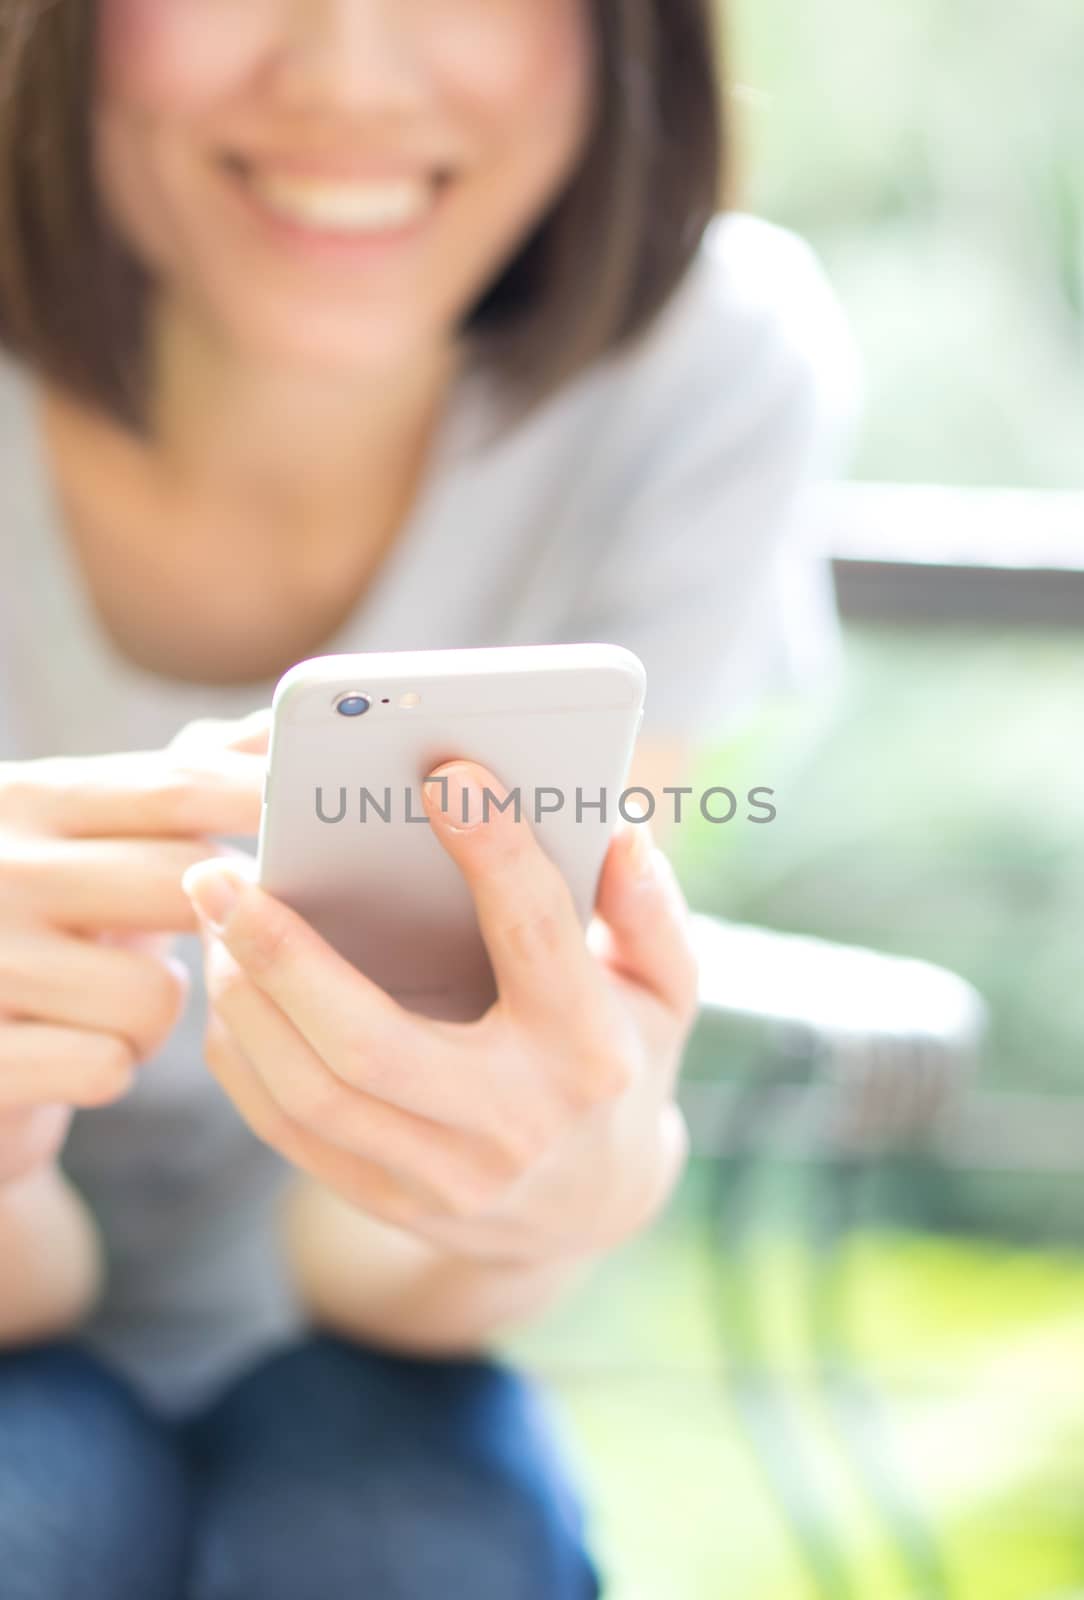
92, 849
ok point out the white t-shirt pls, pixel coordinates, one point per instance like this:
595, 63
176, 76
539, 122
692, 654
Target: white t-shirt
654, 502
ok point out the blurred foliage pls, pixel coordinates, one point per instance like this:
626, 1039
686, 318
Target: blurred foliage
933, 151
934, 810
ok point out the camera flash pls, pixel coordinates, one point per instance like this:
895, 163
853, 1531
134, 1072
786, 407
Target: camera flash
409, 701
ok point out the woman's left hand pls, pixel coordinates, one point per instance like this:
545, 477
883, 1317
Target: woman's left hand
547, 1128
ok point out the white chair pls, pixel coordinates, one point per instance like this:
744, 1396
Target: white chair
887, 1042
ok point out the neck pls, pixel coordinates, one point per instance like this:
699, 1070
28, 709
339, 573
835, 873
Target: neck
295, 445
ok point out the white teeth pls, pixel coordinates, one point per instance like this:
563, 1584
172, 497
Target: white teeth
343, 206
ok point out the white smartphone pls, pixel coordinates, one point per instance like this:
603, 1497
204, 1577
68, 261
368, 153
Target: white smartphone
345, 840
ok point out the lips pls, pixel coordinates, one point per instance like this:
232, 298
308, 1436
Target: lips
346, 206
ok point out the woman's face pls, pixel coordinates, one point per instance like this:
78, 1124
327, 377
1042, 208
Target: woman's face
334, 182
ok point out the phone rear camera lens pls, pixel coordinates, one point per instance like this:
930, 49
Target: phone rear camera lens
353, 705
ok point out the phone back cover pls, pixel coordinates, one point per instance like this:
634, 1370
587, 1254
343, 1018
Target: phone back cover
372, 878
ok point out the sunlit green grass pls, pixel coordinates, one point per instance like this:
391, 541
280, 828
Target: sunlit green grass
973, 1355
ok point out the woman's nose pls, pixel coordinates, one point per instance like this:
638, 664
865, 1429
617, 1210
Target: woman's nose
355, 55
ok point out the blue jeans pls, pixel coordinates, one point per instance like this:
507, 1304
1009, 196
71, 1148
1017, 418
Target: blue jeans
327, 1472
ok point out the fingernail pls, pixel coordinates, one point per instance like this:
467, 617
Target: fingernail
213, 892
460, 799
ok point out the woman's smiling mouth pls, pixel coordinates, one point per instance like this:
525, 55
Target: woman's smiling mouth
337, 206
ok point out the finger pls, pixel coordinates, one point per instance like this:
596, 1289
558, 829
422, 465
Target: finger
249, 734
448, 1169
41, 1064
30, 1138
364, 1035
533, 935
155, 944
125, 884
136, 793
644, 910
362, 1183
47, 977
366, 1184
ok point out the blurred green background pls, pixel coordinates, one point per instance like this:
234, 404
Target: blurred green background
816, 1382
933, 150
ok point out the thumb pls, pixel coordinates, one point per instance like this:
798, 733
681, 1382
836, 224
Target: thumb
641, 903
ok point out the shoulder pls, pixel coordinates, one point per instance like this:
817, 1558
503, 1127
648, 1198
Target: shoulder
757, 279
753, 290
753, 340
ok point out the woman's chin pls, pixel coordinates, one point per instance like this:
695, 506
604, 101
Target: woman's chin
335, 347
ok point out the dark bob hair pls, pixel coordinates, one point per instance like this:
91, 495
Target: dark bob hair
601, 263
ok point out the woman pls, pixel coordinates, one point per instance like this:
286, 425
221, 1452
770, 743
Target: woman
360, 324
